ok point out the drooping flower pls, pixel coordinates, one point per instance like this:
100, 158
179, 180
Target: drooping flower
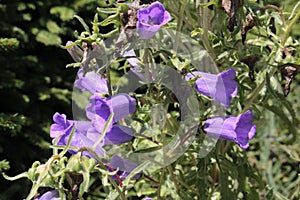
75, 52
50, 195
220, 87
91, 81
237, 129
151, 19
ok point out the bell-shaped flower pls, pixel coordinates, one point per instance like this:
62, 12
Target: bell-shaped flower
237, 129
150, 19
220, 87
90, 81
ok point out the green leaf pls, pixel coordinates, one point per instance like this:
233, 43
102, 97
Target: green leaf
48, 38
64, 13
53, 27
85, 26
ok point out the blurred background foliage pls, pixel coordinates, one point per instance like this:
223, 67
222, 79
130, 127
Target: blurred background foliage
33, 80
34, 84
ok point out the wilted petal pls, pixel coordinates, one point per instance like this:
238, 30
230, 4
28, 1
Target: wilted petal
151, 19
91, 81
136, 65
75, 52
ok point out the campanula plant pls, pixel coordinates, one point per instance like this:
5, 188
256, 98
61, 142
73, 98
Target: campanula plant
166, 115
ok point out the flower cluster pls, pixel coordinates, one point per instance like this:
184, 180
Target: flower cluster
221, 88
98, 111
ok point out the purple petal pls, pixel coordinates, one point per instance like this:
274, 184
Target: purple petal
80, 140
227, 87
195, 74
100, 109
118, 135
122, 105
50, 195
125, 167
98, 106
91, 82
206, 84
221, 127
61, 125
221, 87
99, 124
245, 129
82, 126
151, 19
238, 129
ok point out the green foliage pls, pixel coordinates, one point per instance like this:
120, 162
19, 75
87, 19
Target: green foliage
33, 81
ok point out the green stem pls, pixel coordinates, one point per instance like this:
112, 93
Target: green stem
289, 28
174, 178
122, 195
179, 23
160, 183
23, 175
205, 26
108, 80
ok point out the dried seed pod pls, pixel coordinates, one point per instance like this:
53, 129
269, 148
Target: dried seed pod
272, 25
230, 7
250, 62
288, 73
91, 51
251, 22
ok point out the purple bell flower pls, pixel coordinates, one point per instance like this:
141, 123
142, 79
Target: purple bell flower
50, 195
120, 104
91, 81
151, 19
220, 87
237, 129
